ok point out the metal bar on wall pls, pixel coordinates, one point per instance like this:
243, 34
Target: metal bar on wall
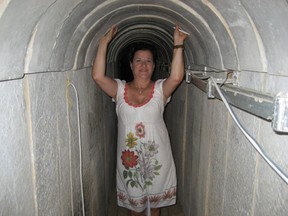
253, 102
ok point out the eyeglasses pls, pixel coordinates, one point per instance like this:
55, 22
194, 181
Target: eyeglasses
140, 61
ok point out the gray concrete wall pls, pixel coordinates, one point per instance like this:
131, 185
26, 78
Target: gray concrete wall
219, 171
40, 163
16, 167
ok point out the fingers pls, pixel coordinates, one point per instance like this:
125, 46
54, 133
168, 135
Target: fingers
108, 36
111, 31
179, 34
179, 30
114, 30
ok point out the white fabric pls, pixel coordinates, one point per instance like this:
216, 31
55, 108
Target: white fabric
148, 177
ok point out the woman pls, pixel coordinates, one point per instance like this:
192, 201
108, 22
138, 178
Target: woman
146, 176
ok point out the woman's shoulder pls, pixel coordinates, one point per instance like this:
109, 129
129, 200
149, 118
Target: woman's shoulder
160, 82
120, 82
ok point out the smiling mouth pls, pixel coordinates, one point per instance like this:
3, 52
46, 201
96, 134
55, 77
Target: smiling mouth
143, 71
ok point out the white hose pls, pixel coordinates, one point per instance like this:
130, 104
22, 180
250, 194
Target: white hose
248, 136
80, 147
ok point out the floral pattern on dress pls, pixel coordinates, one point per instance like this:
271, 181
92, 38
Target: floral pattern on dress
131, 140
167, 195
140, 130
129, 159
139, 159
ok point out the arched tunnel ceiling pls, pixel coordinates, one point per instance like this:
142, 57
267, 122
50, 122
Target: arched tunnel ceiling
57, 35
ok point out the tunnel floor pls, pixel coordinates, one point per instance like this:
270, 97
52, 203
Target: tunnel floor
114, 210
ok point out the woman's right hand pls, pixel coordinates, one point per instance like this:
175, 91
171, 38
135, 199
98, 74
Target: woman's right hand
107, 84
109, 35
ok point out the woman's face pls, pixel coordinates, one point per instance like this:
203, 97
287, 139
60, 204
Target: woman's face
142, 64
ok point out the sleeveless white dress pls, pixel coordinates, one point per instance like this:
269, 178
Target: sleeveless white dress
146, 174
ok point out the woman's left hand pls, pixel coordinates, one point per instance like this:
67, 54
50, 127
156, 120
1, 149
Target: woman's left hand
179, 36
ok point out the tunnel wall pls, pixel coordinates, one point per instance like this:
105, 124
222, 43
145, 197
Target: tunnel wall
219, 171
40, 168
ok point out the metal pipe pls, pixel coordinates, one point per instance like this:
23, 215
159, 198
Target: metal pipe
253, 102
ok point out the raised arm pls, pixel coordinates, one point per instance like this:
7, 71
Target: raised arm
177, 66
107, 84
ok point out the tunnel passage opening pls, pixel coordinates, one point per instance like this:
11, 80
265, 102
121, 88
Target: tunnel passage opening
120, 48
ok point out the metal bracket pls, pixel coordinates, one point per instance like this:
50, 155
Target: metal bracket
210, 89
231, 77
221, 77
280, 114
253, 102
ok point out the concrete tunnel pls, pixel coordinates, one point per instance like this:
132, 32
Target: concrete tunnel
57, 157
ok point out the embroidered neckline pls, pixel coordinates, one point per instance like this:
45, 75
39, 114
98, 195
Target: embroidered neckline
141, 104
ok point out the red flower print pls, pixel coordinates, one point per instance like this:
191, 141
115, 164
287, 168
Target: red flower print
154, 199
140, 130
133, 202
144, 200
121, 196
169, 194
129, 159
